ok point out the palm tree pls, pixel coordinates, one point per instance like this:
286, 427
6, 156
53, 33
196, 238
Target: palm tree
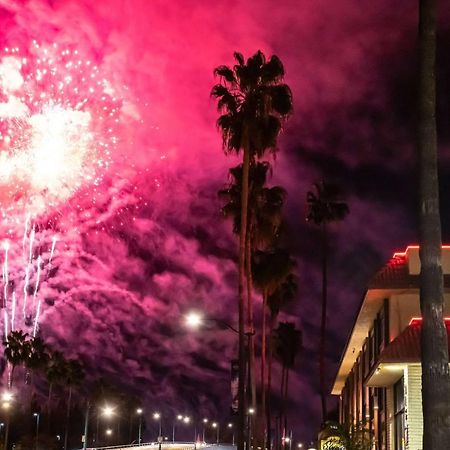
264, 221
16, 351
288, 343
55, 373
270, 269
326, 204
284, 294
73, 376
434, 344
253, 102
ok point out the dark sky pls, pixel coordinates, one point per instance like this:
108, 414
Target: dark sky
124, 275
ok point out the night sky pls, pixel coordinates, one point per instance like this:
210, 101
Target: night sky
131, 264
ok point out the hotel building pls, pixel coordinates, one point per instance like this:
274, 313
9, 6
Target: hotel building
379, 376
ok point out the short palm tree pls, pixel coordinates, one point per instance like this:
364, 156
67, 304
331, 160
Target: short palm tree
55, 373
270, 269
16, 347
284, 294
326, 204
253, 103
288, 343
73, 377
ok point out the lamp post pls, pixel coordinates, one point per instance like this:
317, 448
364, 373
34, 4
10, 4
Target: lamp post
230, 425
139, 412
179, 418
7, 398
195, 320
205, 421
217, 427
251, 412
37, 417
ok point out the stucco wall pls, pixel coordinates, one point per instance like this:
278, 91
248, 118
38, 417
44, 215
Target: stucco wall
414, 418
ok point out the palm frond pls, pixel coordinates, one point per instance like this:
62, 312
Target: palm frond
226, 73
273, 70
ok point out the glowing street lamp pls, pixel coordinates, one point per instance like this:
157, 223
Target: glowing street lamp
157, 416
108, 411
230, 425
108, 432
139, 412
205, 421
217, 427
7, 397
194, 319
37, 417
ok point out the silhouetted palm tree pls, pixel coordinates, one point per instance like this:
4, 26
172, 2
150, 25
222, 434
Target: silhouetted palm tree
435, 352
326, 204
284, 294
73, 377
264, 221
253, 102
270, 269
55, 373
288, 343
16, 351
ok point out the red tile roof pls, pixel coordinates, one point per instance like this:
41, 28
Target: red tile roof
405, 348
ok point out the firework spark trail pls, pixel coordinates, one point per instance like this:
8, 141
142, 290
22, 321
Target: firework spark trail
25, 289
13, 311
38, 308
25, 233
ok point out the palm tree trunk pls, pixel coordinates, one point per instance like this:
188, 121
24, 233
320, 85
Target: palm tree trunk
286, 390
434, 344
269, 384
263, 354
250, 326
241, 299
66, 433
49, 406
323, 322
283, 380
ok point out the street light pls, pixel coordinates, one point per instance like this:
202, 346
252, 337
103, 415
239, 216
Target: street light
157, 416
37, 416
217, 426
139, 412
108, 411
108, 432
179, 418
230, 425
205, 421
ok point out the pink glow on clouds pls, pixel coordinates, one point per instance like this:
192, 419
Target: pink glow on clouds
153, 245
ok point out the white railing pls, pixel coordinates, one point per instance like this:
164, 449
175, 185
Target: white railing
153, 445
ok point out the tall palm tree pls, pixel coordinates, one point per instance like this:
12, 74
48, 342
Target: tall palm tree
435, 357
288, 343
253, 102
264, 221
270, 269
326, 204
73, 377
284, 294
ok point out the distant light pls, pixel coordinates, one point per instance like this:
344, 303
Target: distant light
287, 439
166, 438
156, 415
205, 420
186, 419
108, 411
36, 414
214, 425
251, 410
180, 417
139, 411
230, 425
300, 445
6, 405
193, 320
7, 396
109, 432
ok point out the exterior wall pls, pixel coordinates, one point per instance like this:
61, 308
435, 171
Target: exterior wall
414, 417
390, 418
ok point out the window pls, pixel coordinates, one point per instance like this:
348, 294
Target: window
399, 415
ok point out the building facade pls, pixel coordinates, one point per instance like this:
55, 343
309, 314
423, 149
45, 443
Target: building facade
379, 377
